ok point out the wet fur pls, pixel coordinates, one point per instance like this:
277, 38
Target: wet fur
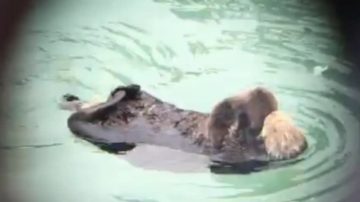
282, 138
131, 116
134, 116
245, 110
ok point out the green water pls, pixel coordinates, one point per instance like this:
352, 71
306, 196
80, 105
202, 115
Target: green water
191, 53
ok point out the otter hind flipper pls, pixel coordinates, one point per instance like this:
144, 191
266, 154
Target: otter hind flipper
80, 122
132, 91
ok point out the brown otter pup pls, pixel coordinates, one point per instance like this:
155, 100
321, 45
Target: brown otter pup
133, 116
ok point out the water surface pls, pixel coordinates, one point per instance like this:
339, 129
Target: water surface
191, 53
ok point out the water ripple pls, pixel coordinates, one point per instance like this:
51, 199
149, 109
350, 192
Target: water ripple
288, 46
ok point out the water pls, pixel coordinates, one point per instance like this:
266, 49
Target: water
191, 53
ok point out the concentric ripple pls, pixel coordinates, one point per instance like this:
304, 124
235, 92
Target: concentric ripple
191, 53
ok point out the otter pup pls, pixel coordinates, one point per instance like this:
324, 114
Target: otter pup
133, 116
282, 139
246, 110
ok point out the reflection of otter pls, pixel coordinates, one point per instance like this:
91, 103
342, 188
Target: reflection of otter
282, 139
134, 116
245, 110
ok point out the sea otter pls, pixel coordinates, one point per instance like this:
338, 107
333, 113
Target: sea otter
133, 116
245, 110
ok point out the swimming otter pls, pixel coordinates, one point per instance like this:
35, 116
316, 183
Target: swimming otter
131, 115
282, 139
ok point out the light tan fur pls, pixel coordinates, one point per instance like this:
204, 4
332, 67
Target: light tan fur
282, 138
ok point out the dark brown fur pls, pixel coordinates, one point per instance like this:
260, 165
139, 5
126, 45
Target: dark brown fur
140, 118
245, 110
136, 117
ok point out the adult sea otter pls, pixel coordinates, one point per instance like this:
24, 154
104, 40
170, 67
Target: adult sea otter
229, 134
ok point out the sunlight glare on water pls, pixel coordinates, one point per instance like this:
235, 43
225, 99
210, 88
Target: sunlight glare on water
191, 53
